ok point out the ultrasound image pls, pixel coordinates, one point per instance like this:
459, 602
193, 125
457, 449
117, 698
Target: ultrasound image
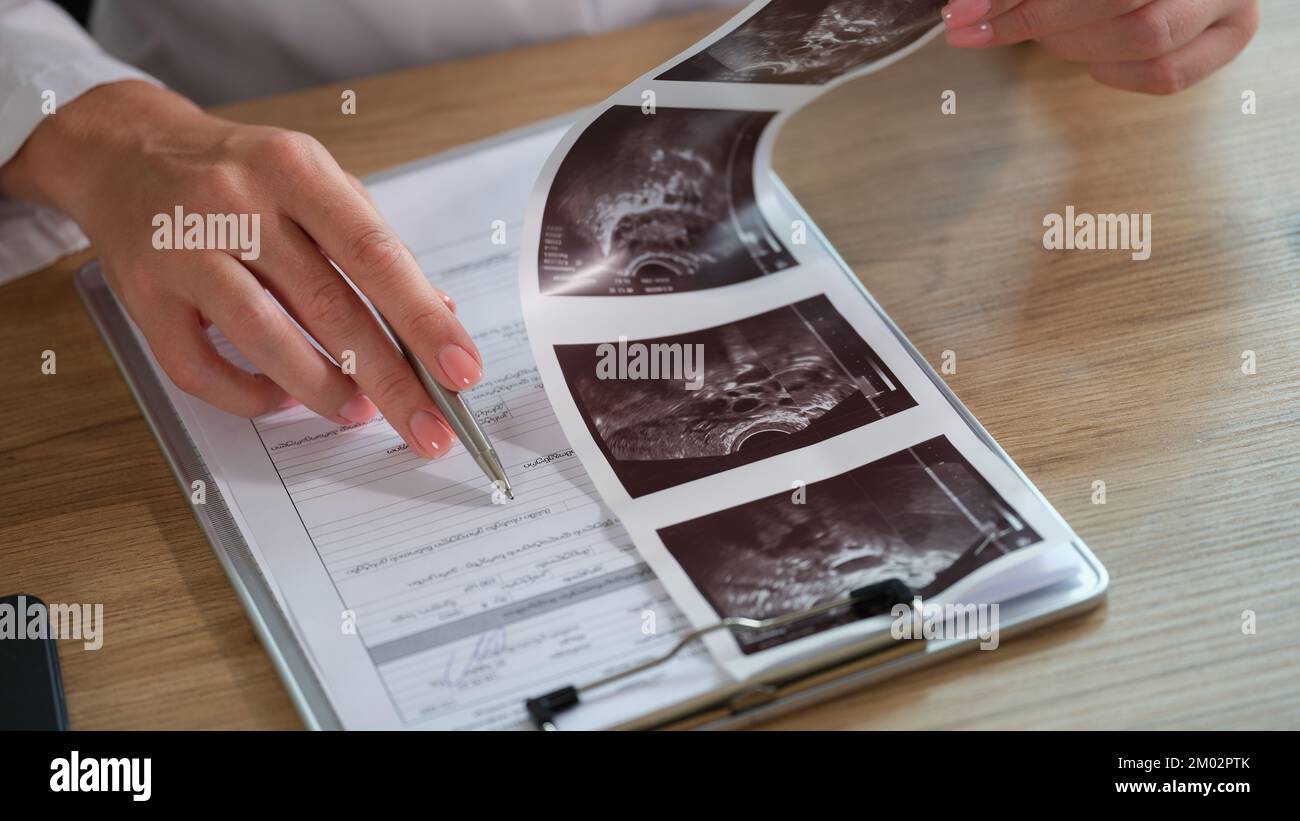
809, 41
772, 383
922, 515
657, 203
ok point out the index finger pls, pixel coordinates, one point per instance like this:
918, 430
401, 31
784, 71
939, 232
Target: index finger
353, 234
1014, 21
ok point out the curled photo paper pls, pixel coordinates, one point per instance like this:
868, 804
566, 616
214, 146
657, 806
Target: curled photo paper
748, 414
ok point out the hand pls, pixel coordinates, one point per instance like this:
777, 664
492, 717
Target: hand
1153, 46
123, 153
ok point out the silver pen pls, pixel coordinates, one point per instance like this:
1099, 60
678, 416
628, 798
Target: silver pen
459, 416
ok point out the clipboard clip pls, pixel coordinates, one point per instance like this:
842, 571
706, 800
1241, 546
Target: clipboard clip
863, 602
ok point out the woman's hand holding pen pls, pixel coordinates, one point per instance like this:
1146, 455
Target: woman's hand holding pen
122, 154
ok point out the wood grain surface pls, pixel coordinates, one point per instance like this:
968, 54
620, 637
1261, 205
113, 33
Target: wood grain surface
1086, 366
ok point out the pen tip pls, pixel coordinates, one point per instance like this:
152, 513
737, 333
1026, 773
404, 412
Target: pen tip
510, 494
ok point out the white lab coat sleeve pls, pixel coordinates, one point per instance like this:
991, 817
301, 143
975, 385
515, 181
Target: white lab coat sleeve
44, 57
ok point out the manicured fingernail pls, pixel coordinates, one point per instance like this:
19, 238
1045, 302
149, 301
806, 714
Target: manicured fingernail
962, 13
358, 410
979, 35
434, 436
461, 368
446, 299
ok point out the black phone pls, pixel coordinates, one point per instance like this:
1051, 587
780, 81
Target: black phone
31, 686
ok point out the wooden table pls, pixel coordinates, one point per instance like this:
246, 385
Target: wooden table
1085, 365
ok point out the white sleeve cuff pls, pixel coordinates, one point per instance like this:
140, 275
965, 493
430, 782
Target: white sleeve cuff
42, 50
32, 237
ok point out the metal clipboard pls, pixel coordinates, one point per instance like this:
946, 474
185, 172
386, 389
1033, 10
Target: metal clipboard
733, 707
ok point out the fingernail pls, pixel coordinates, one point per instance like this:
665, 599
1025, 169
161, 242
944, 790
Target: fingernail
288, 402
962, 13
358, 410
446, 299
979, 35
461, 368
434, 436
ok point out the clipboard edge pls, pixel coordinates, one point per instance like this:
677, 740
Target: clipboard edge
269, 622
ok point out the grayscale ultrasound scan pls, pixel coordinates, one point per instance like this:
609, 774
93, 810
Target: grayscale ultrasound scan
923, 515
658, 203
809, 41
771, 384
